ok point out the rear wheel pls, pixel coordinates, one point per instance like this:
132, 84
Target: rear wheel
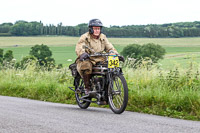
79, 85
118, 94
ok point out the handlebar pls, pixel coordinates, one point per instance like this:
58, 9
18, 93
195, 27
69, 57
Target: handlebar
96, 54
101, 54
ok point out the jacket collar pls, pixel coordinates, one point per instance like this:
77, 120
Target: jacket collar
101, 37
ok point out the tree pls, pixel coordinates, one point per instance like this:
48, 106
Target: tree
181, 29
5, 27
43, 54
8, 56
132, 51
153, 51
150, 50
82, 28
1, 56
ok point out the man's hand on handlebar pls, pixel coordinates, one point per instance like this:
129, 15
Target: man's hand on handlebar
111, 52
84, 56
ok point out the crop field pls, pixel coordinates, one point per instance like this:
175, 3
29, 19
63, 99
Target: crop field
180, 51
66, 41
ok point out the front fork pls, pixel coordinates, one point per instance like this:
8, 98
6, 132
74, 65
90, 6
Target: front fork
110, 83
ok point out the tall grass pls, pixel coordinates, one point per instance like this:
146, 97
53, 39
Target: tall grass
173, 93
37, 84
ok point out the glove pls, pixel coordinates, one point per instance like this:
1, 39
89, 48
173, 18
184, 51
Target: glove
121, 58
111, 51
84, 56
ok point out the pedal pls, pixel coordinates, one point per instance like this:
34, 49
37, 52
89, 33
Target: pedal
92, 94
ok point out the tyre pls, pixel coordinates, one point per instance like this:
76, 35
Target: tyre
79, 85
118, 94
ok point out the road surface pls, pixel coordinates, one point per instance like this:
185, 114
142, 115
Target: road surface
20, 115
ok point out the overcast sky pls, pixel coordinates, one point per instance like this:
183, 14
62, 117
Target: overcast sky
110, 12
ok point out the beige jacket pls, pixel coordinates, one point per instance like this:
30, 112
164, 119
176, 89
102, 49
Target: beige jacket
98, 45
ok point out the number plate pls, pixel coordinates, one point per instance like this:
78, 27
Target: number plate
113, 61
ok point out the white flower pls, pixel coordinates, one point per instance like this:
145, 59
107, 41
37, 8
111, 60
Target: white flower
131, 59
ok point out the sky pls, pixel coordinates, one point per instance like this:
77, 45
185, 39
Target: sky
110, 12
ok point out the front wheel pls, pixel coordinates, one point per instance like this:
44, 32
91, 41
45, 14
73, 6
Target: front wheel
80, 85
118, 94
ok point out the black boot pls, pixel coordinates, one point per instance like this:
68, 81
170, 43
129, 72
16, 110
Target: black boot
86, 79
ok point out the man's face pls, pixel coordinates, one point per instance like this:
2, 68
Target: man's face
97, 31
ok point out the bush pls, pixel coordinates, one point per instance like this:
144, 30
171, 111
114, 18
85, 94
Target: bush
6, 60
1, 55
138, 52
8, 56
132, 51
27, 60
43, 54
153, 51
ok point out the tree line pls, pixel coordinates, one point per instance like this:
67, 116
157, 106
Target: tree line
180, 29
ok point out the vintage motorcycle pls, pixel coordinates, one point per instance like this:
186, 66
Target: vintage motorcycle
108, 85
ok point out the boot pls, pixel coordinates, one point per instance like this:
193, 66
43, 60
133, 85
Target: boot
86, 79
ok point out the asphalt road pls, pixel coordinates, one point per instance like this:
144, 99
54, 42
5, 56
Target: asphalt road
18, 115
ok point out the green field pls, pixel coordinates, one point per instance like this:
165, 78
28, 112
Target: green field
179, 50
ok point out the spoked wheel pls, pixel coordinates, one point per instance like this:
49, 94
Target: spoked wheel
118, 94
79, 85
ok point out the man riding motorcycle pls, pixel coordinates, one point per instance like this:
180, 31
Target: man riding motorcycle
97, 42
